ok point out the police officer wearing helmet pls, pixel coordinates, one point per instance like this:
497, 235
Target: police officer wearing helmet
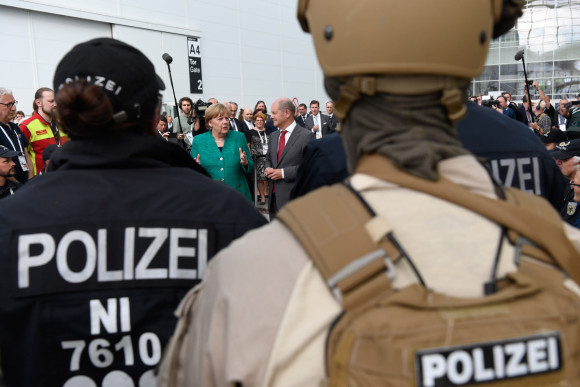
280, 329
98, 252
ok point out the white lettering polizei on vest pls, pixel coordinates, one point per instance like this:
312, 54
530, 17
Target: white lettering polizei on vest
165, 245
488, 362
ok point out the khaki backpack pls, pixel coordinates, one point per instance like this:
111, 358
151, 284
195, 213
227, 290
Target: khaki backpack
524, 331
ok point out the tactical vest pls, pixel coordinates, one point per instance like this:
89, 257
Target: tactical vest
525, 330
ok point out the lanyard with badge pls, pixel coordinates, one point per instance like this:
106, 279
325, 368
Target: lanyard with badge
264, 142
21, 158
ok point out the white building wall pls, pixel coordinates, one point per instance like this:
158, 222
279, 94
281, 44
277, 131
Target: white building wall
251, 49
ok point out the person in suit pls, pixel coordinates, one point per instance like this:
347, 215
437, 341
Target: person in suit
236, 124
527, 115
162, 132
318, 123
302, 115
331, 116
223, 152
285, 149
248, 119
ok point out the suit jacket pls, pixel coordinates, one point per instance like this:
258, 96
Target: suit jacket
522, 109
290, 160
333, 121
300, 121
225, 166
242, 128
324, 125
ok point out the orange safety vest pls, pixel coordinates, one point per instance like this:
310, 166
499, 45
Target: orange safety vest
39, 135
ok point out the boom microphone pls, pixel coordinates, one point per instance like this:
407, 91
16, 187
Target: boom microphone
166, 57
519, 55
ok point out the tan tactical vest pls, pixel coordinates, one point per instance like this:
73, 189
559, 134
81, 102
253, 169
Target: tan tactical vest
524, 332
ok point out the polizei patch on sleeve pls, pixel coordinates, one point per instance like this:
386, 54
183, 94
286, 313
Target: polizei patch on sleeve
489, 361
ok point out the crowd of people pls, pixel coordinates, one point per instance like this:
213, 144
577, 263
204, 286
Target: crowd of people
30, 137
418, 264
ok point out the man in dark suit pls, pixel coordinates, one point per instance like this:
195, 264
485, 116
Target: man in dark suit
302, 115
526, 115
285, 149
331, 116
236, 124
318, 123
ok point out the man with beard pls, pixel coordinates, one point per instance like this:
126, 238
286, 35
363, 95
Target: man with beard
42, 129
187, 125
572, 115
7, 187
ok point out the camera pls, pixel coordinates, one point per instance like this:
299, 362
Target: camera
200, 108
571, 103
489, 102
530, 83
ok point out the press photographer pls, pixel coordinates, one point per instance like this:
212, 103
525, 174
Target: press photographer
571, 111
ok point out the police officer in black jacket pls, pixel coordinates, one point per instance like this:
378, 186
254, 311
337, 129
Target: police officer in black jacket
97, 253
514, 154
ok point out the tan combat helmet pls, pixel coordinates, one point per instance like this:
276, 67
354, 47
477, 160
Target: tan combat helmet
408, 47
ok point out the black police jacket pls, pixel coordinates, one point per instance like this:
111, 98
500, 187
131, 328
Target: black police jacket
97, 254
515, 155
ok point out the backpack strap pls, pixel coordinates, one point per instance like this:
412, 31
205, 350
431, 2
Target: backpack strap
531, 220
348, 246
353, 249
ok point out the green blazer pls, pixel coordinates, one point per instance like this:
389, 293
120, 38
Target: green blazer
225, 166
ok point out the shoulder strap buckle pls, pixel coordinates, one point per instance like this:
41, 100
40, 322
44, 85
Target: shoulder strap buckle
356, 266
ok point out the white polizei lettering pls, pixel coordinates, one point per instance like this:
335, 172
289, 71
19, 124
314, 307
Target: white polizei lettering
515, 367
125, 314
434, 367
142, 270
105, 275
495, 170
511, 167
524, 176
176, 252
455, 376
62, 256
80, 257
118, 90
129, 253
105, 316
110, 85
498, 361
553, 354
99, 81
481, 373
536, 170
201, 253
27, 261
537, 355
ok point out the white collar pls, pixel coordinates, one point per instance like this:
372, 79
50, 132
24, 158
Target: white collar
290, 128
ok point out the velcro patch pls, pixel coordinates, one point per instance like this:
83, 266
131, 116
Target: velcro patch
488, 361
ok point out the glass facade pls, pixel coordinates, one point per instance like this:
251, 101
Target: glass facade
549, 34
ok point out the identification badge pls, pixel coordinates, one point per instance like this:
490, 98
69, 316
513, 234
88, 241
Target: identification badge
571, 208
264, 149
23, 163
189, 137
